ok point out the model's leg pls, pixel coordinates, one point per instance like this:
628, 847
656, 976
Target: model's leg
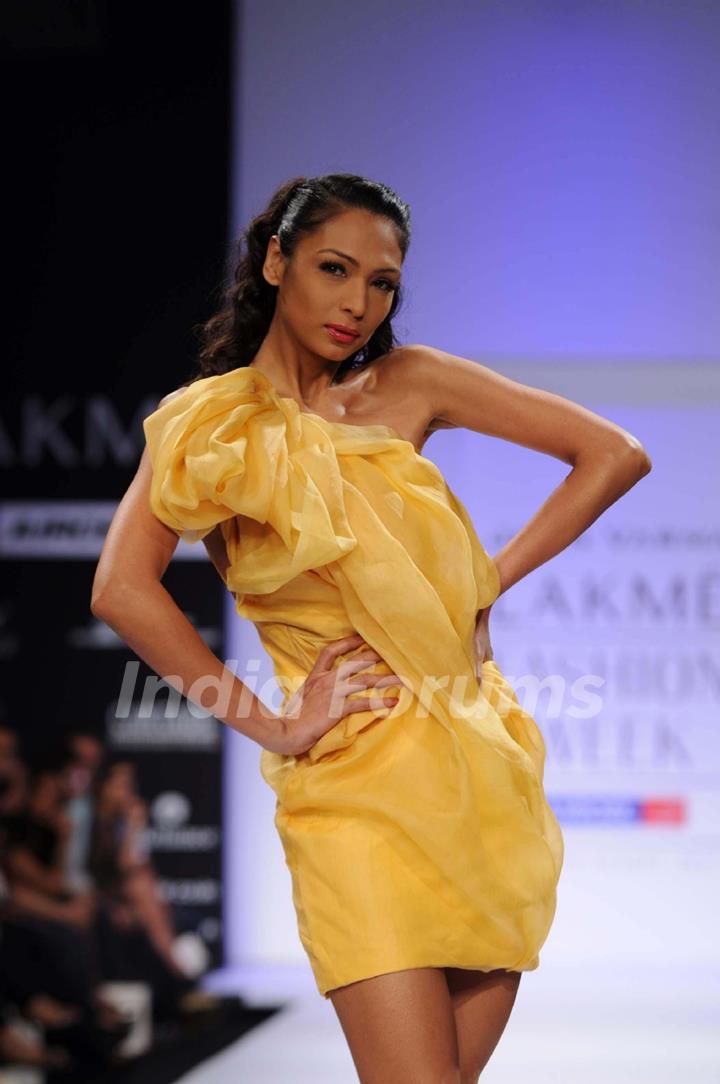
482, 1001
400, 1027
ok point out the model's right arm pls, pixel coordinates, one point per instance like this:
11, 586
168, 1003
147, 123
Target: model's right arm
128, 595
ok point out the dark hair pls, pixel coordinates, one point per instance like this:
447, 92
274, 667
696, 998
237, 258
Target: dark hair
231, 338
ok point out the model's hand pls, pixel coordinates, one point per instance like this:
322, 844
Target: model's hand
326, 696
483, 647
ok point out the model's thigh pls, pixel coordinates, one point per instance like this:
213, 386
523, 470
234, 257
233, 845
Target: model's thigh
482, 1002
400, 1027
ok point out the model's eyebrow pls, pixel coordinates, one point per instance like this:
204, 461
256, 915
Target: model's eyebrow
351, 259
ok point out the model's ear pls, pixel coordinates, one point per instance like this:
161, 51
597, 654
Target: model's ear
274, 266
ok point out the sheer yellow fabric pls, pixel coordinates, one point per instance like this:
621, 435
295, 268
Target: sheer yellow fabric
417, 835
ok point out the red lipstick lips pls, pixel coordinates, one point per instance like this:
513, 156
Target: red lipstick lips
341, 333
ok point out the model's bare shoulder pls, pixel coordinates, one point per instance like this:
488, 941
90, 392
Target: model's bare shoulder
467, 394
407, 381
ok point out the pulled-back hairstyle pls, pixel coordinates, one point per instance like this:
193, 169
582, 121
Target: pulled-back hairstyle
233, 335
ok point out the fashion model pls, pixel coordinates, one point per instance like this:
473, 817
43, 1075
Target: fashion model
423, 854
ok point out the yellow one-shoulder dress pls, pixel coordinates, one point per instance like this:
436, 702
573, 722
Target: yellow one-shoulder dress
416, 835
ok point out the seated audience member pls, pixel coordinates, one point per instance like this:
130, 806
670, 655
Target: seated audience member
120, 863
83, 757
48, 953
13, 773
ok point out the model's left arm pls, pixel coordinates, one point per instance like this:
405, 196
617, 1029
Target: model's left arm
606, 460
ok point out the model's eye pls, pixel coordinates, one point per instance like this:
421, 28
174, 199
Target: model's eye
384, 284
328, 265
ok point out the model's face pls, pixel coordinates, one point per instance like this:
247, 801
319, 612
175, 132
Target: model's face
319, 287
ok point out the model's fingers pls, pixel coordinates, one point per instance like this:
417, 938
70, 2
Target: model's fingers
364, 681
369, 681
366, 703
330, 652
351, 666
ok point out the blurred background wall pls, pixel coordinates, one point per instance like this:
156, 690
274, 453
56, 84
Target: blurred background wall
117, 151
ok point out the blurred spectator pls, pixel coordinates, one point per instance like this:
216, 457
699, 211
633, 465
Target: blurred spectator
13, 775
84, 756
119, 861
49, 975
80, 904
37, 835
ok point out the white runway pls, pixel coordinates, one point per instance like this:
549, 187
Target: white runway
595, 1025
